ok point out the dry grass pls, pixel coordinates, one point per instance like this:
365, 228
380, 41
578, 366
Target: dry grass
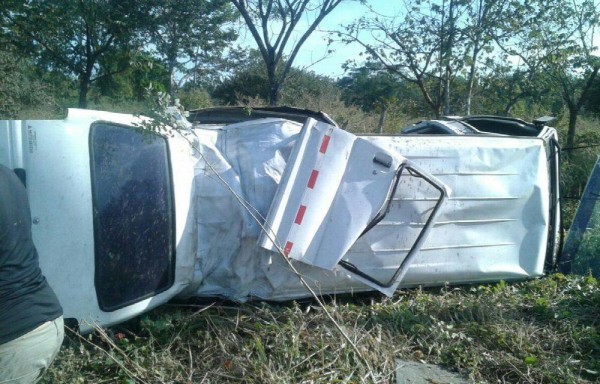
542, 331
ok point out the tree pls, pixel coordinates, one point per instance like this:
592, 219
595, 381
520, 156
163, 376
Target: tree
250, 81
144, 72
422, 46
272, 24
593, 102
483, 25
557, 39
18, 88
512, 90
185, 32
72, 36
372, 89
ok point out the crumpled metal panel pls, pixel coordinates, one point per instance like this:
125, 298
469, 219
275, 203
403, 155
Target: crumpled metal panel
240, 165
494, 226
335, 188
332, 189
232, 173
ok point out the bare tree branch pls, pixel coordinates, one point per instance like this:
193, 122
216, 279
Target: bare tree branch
273, 46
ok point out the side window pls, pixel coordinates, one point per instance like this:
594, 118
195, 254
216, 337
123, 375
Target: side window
133, 215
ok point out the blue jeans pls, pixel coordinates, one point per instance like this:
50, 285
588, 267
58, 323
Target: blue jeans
24, 359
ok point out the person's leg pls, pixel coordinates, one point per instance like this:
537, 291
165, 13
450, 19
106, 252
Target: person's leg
24, 359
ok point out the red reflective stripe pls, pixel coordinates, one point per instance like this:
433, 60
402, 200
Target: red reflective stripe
300, 214
313, 179
288, 248
324, 144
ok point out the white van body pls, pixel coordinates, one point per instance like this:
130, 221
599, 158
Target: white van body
462, 209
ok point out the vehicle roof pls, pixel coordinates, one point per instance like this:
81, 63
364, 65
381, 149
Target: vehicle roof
231, 115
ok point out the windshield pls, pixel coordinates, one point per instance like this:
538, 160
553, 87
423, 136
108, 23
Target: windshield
133, 215
581, 253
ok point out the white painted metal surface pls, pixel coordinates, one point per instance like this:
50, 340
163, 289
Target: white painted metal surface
494, 226
11, 143
57, 162
334, 188
331, 178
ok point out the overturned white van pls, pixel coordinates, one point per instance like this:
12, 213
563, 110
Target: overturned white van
242, 203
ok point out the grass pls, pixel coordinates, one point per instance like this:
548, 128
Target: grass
542, 331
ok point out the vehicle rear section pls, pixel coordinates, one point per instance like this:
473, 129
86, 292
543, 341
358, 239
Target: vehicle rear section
104, 197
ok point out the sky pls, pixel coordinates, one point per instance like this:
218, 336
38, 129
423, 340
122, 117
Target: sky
315, 47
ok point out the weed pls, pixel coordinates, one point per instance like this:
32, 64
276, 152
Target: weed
544, 330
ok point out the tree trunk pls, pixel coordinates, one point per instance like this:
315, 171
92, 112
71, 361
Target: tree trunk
437, 110
447, 92
83, 90
471, 82
273, 95
84, 87
469, 97
382, 115
172, 84
436, 105
508, 109
574, 105
482, 11
447, 52
573, 112
273, 86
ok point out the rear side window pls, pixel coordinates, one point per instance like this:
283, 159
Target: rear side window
133, 215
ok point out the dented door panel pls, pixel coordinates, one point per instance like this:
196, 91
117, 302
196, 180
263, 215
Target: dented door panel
337, 187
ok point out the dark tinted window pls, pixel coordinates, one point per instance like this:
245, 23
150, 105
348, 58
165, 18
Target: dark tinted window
503, 126
133, 215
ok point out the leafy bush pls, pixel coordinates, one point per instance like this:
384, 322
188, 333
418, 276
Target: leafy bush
18, 87
194, 98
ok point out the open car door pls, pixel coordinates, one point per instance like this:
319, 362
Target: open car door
335, 188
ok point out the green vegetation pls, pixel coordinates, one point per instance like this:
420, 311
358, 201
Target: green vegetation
542, 331
273, 26
588, 255
513, 58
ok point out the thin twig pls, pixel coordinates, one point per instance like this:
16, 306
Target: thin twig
120, 364
191, 364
